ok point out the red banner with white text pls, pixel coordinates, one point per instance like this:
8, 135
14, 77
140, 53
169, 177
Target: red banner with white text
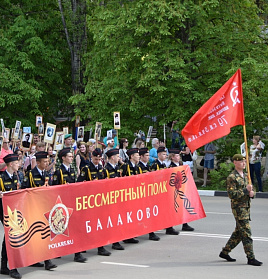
224, 110
48, 222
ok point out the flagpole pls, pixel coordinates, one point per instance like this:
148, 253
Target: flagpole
247, 158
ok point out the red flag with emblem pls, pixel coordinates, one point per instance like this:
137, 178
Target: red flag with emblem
218, 115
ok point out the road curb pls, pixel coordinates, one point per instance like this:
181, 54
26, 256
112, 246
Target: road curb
212, 193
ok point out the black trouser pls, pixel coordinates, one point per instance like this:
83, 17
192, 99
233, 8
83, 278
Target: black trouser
4, 249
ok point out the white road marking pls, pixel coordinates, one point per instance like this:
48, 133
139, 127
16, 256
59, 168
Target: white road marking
256, 238
223, 213
124, 264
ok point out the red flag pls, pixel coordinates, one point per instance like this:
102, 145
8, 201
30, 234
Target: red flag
217, 116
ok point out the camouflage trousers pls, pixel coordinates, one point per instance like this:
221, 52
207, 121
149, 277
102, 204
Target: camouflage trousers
242, 233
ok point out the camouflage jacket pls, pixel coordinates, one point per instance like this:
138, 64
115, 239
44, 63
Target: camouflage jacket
237, 191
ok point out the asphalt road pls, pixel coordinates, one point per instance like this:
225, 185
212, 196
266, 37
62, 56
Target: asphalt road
188, 255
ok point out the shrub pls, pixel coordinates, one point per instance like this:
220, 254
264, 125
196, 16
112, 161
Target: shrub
218, 177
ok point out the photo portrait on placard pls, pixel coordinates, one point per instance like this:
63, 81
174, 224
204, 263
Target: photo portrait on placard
50, 133
77, 121
26, 140
17, 129
65, 130
7, 133
58, 145
39, 120
41, 129
98, 130
80, 133
109, 134
117, 120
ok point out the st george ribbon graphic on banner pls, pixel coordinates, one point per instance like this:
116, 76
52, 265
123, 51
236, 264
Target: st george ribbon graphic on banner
48, 222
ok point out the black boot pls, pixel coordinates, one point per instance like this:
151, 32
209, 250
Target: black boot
153, 236
49, 265
117, 246
226, 257
13, 273
103, 252
79, 258
186, 227
254, 262
171, 231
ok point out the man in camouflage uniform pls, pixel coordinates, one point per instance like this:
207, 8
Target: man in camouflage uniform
240, 192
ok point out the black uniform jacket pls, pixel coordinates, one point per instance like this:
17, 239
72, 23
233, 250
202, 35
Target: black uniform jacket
63, 176
34, 179
144, 168
111, 172
90, 172
157, 165
127, 169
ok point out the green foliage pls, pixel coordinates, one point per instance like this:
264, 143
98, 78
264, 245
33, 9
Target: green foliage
164, 59
219, 176
34, 69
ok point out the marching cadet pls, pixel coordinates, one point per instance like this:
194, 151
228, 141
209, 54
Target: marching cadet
144, 159
38, 177
112, 170
175, 158
128, 169
143, 164
68, 143
131, 167
8, 182
94, 171
64, 175
159, 164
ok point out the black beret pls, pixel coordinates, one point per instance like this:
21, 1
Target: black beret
10, 158
112, 152
161, 149
41, 155
64, 151
132, 151
97, 152
238, 157
174, 151
143, 151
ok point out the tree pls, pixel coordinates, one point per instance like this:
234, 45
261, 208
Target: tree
166, 58
33, 66
73, 15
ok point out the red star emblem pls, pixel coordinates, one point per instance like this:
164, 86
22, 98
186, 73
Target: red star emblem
58, 219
